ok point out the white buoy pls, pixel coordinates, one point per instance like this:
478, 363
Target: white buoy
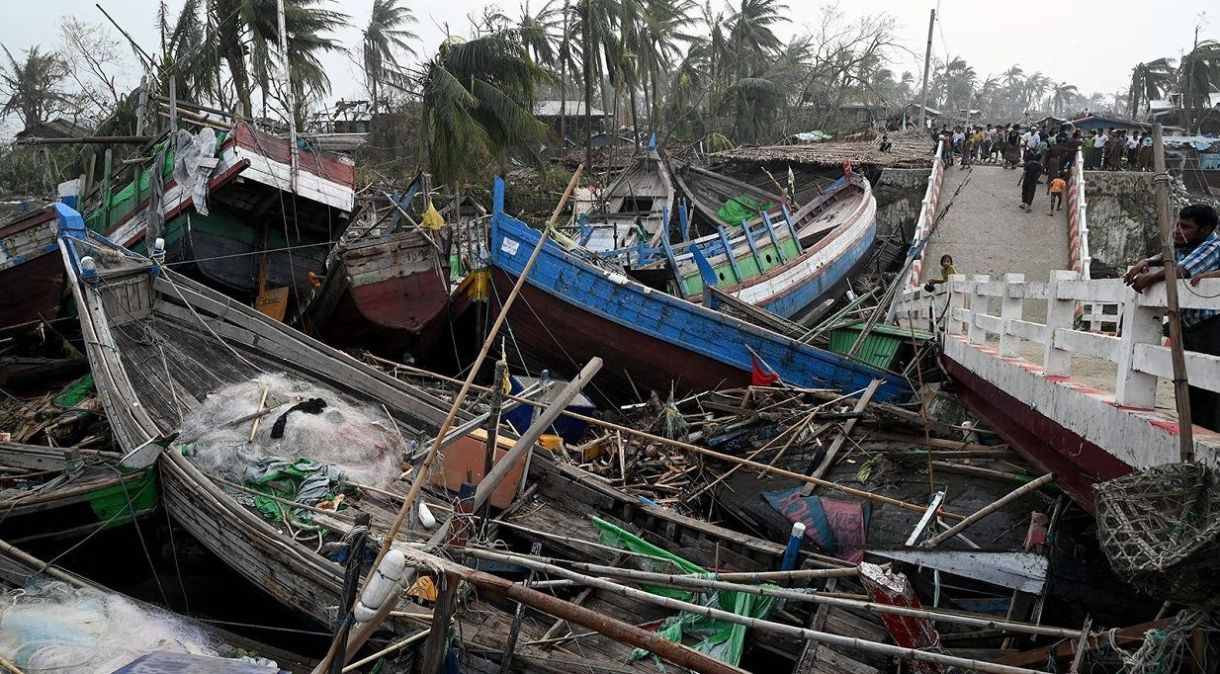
426, 517
382, 587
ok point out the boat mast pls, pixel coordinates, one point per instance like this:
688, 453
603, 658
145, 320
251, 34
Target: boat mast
289, 99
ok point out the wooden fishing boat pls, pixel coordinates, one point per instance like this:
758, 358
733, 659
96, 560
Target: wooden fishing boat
574, 307
31, 271
160, 343
386, 288
233, 211
53, 492
784, 262
641, 197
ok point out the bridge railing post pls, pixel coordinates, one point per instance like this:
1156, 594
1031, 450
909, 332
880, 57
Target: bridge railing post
1011, 305
1060, 313
1141, 325
957, 300
979, 304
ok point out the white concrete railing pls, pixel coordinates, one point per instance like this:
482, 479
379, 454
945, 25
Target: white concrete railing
1078, 224
980, 307
927, 217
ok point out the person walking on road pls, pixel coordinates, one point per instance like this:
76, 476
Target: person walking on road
1029, 182
1055, 189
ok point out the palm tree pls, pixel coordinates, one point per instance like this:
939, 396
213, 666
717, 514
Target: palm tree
1149, 81
1062, 93
477, 102
1036, 86
246, 32
33, 85
752, 36
661, 26
1199, 76
385, 37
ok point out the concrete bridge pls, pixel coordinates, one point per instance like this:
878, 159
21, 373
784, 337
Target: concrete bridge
1071, 371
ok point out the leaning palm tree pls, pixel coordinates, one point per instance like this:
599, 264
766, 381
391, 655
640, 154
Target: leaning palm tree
1198, 78
1149, 81
383, 40
477, 102
32, 85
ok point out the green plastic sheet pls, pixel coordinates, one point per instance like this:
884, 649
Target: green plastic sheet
717, 638
741, 208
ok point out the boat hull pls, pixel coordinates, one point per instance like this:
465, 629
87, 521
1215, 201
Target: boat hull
572, 310
391, 298
1039, 439
32, 281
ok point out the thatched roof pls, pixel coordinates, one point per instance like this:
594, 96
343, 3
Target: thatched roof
912, 149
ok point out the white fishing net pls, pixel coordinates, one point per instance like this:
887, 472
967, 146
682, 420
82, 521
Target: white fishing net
360, 441
54, 627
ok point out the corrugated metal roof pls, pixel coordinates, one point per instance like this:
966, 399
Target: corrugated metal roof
572, 109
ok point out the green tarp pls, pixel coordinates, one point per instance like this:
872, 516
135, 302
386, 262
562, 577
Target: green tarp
741, 208
717, 638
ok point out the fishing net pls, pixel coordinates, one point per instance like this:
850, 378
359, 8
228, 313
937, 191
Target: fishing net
309, 430
54, 627
1160, 529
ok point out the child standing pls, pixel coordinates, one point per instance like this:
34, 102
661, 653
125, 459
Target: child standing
1057, 187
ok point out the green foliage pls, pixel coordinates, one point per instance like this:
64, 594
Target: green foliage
477, 101
385, 37
33, 86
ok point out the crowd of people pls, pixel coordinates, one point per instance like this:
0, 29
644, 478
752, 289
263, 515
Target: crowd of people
1035, 151
1038, 151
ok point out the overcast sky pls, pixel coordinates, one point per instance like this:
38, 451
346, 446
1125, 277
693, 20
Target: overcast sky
1090, 43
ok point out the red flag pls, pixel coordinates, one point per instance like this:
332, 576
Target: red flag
759, 376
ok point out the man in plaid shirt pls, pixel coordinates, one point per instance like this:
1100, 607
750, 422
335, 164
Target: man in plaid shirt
1197, 253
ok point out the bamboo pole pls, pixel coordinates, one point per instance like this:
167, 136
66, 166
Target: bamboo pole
365, 631
13, 669
715, 582
825, 484
1181, 392
996, 505
39, 566
482, 580
396, 646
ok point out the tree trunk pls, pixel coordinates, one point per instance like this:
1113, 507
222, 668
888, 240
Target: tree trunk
563, 82
585, 55
635, 120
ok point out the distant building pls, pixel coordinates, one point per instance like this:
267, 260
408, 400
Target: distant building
548, 112
1097, 120
908, 116
60, 127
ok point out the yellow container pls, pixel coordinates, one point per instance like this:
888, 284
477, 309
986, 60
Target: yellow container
551, 443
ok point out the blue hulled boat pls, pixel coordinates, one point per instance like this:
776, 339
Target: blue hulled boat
575, 306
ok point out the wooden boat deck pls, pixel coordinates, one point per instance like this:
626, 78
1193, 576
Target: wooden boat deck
160, 349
